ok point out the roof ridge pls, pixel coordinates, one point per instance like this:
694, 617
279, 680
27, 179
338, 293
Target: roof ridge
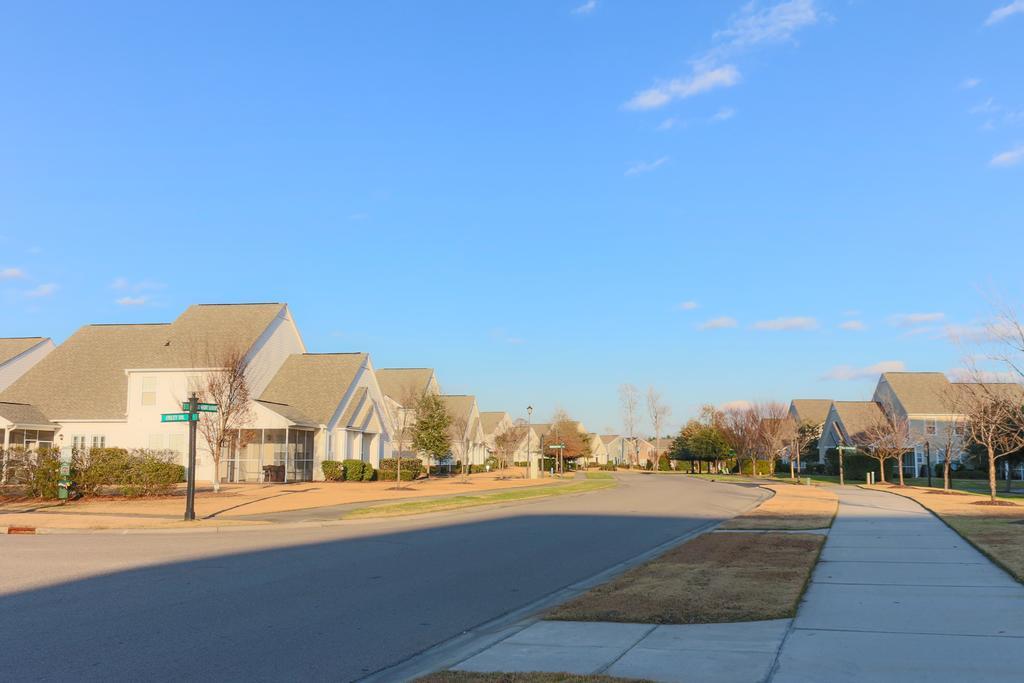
247, 303
127, 324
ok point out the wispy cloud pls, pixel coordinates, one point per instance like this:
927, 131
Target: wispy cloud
687, 305
797, 323
1010, 157
775, 24
124, 284
586, 8
646, 166
911, 319
1005, 12
721, 323
43, 290
855, 325
698, 82
723, 114
969, 83
11, 273
132, 301
850, 372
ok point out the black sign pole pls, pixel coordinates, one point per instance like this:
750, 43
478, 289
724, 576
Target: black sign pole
190, 492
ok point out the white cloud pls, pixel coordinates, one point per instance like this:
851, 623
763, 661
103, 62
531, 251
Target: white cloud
718, 323
1010, 157
849, 372
798, 323
41, 291
723, 114
698, 82
969, 83
736, 405
132, 301
123, 283
910, 319
856, 325
774, 24
646, 166
670, 123
989, 106
687, 305
586, 8
11, 273
1004, 12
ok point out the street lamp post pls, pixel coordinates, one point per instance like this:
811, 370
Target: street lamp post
839, 452
928, 459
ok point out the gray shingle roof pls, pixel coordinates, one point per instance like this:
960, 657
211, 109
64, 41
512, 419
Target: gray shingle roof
858, 417
921, 392
459, 406
15, 346
399, 384
315, 383
812, 410
22, 414
84, 378
491, 419
290, 413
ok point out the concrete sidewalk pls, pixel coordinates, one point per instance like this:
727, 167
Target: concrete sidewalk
898, 596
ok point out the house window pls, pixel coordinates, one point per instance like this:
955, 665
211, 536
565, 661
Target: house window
929, 426
149, 391
99, 441
78, 442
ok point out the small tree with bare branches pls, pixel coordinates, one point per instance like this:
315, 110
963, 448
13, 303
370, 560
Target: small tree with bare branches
741, 427
226, 385
507, 443
995, 421
887, 438
775, 430
658, 412
629, 399
458, 429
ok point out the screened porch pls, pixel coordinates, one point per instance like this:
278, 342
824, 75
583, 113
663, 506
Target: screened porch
288, 450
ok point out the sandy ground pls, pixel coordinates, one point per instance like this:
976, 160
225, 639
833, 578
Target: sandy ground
792, 507
235, 500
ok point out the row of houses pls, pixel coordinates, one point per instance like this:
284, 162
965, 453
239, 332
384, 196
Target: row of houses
926, 402
107, 385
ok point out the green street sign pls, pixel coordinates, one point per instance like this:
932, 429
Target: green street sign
178, 417
201, 407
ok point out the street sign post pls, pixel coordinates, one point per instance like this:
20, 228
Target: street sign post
192, 408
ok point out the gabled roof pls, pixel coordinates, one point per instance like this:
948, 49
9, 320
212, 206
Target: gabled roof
315, 383
460, 406
22, 414
608, 438
811, 410
491, 419
858, 417
541, 429
400, 383
921, 392
10, 347
84, 378
290, 413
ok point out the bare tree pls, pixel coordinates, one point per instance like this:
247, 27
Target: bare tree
507, 443
804, 435
953, 431
741, 427
658, 413
887, 438
226, 385
629, 399
405, 421
995, 421
458, 429
775, 430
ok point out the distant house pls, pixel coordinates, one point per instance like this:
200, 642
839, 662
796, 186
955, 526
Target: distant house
849, 424
467, 429
19, 354
598, 450
624, 451
402, 388
809, 411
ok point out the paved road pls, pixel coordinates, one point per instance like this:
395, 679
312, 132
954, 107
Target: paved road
321, 603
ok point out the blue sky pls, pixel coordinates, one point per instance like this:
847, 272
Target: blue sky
542, 200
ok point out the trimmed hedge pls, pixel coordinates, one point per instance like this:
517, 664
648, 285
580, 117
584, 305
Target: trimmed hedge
411, 469
353, 469
139, 472
607, 467
333, 470
764, 467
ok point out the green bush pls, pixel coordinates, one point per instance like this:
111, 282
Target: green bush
856, 465
411, 469
333, 470
607, 467
663, 464
151, 474
764, 467
369, 474
353, 469
45, 474
102, 467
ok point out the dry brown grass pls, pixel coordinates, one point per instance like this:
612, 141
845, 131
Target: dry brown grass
531, 677
792, 507
716, 577
997, 531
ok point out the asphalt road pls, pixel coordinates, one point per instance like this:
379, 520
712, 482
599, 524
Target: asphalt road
332, 603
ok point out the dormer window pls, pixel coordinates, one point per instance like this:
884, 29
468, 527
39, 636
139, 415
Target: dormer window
149, 391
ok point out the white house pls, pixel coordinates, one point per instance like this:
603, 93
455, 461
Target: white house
494, 424
469, 444
598, 450
108, 385
625, 451
849, 423
402, 388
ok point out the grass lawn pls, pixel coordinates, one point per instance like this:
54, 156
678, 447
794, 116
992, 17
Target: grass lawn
791, 508
534, 677
714, 578
458, 502
599, 475
995, 530
971, 486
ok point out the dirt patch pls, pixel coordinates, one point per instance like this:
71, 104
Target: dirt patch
529, 677
791, 508
714, 578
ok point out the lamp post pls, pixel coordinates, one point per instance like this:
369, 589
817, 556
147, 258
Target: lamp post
529, 428
928, 459
839, 453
